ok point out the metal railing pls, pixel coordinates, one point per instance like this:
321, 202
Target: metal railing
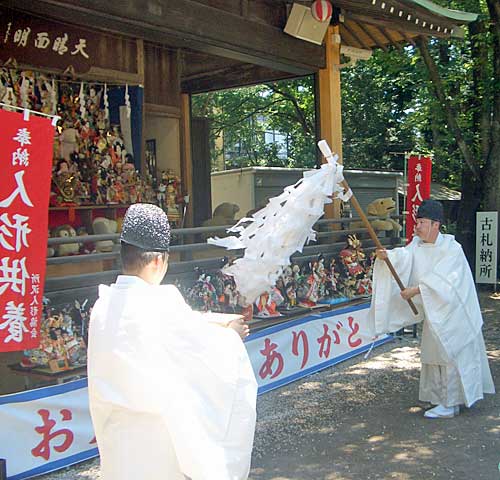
185, 265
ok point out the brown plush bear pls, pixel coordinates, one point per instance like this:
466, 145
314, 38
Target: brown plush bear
383, 207
66, 248
223, 215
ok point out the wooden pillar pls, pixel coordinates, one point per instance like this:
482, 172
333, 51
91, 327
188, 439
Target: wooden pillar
186, 157
330, 112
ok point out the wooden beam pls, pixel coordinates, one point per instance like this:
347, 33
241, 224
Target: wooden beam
408, 38
372, 37
367, 10
382, 34
189, 24
393, 41
360, 42
390, 23
237, 76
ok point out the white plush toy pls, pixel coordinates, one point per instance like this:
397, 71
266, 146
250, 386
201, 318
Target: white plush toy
102, 226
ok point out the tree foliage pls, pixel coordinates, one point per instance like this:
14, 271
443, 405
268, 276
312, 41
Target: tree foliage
440, 97
240, 118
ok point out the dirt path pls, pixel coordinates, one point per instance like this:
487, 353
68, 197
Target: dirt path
361, 420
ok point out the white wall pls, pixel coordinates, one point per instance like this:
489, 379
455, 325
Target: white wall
165, 131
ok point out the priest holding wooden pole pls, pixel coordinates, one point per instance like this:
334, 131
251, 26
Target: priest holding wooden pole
455, 368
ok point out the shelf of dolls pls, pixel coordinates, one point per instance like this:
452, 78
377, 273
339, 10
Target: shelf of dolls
59, 373
71, 220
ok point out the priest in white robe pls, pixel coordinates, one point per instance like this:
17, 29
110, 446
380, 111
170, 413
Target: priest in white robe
455, 369
172, 394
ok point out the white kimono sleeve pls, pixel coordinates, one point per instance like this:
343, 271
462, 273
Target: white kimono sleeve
388, 311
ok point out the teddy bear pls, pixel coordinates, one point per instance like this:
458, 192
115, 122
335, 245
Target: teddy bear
66, 248
102, 226
383, 207
380, 207
223, 215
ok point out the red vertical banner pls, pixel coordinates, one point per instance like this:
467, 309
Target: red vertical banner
26, 146
419, 189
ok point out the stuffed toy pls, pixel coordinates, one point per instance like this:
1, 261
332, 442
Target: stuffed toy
101, 226
381, 207
66, 248
223, 215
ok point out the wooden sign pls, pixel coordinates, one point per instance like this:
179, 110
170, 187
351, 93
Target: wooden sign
41, 43
486, 247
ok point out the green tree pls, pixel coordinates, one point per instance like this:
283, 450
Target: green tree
465, 79
241, 117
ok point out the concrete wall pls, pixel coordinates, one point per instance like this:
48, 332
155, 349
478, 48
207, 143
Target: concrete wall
235, 186
251, 187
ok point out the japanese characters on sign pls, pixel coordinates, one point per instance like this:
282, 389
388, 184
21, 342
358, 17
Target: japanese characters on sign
35, 41
50, 428
486, 247
25, 161
46, 430
307, 346
419, 189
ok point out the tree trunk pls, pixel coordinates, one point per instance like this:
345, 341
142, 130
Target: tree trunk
451, 116
491, 194
466, 223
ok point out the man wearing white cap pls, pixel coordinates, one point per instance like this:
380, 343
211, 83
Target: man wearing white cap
455, 368
172, 396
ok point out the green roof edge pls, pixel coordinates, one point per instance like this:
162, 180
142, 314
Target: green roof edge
457, 15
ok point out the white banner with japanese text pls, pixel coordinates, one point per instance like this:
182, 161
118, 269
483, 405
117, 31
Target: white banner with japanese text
50, 428
26, 149
486, 247
298, 348
46, 429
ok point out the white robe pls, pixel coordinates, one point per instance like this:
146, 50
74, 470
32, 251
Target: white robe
455, 367
171, 395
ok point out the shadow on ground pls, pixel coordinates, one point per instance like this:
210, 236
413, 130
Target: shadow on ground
363, 420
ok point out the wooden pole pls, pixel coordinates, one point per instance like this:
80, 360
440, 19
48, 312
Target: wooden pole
325, 149
330, 111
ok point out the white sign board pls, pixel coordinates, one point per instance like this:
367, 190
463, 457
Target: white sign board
486, 247
50, 428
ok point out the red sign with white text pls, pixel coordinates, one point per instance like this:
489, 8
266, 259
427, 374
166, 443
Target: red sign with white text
419, 189
26, 148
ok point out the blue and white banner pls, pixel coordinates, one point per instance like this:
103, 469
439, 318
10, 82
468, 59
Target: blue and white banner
50, 428
295, 349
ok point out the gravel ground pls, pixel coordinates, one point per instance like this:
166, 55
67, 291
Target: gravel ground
362, 419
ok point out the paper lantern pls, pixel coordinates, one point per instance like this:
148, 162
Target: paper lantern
321, 10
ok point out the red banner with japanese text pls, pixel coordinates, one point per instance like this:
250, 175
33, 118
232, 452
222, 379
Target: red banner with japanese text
419, 189
26, 146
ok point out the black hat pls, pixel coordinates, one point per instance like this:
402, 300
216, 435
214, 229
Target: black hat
431, 209
146, 226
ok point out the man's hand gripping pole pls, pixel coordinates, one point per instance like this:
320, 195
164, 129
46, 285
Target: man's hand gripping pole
327, 153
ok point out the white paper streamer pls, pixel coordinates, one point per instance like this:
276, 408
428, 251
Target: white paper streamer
81, 96
280, 229
127, 101
25, 83
106, 102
